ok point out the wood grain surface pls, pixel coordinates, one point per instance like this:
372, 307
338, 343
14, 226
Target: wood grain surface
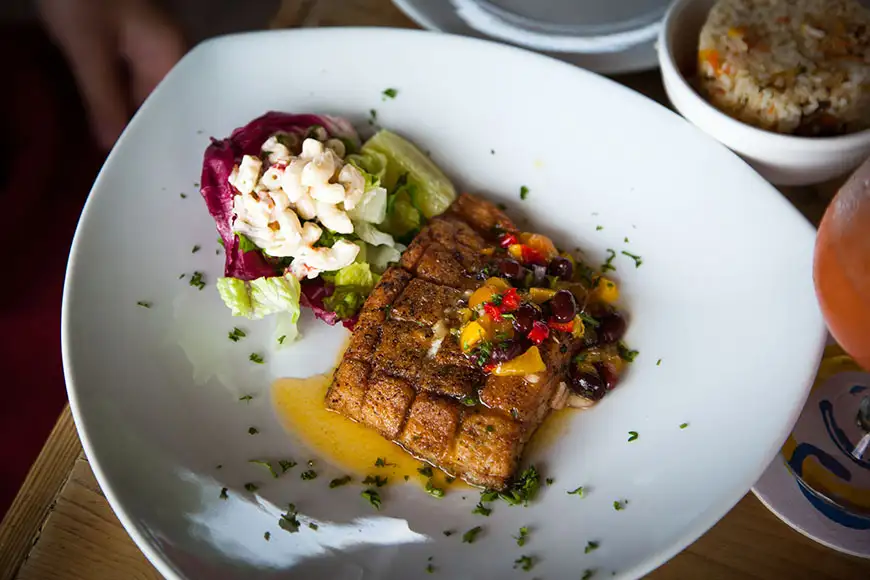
60, 526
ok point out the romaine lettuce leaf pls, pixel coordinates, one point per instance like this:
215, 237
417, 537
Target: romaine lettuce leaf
261, 297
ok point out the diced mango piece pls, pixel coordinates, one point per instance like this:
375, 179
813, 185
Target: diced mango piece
541, 295
516, 252
497, 283
579, 328
472, 334
605, 290
528, 363
464, 315
483, 294
541, 244
487, 251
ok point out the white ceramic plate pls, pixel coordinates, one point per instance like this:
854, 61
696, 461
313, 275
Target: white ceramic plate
724, 298
470, 20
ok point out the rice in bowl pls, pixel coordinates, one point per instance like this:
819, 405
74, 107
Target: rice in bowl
798, 67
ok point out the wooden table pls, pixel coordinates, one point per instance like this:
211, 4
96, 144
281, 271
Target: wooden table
60, 526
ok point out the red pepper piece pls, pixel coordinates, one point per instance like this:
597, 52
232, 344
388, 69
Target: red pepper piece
563, 326
539, 332
510, 300
488, 368
533, 256
507, 240
493, 311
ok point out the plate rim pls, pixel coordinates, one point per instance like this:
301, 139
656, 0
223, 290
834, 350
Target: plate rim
146, 544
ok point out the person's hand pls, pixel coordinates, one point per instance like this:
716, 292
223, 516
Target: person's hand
118, 51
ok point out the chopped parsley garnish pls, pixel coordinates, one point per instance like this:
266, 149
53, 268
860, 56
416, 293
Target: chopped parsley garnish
515, 414
308, 475
267, 536
469, 401
144, 304
282, 338
590, 547
426, 470
448, 533
197, 281
265, 464
219, 466
608, 264
637, 259
289, 522
579, 492
407, 478
382, 462
524, 562
286, 465
481, 509
587, 574
251, 487
224, 493
373, 497
471, 535
236, 334
195, 249
492, 151
430, 568
626, 353
619, 505
313, 526
549, 481
246, 398
339, 481
373, 116
256, 358
632, 435
375, 480
599, 228
626, 240
390, 93
180, 276
523, 489
524, 192
523, 537
183, 196
253, 430
659, 363
588, 321
684, 425
490, 428
434, 491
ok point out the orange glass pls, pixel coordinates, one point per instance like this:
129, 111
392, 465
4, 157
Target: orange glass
842, 266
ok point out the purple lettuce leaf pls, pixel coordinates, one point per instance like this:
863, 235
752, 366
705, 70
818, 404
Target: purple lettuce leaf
313, 294
218, 194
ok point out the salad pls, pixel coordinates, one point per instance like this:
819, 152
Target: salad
309, 215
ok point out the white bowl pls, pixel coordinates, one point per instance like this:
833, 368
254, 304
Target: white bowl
781, 159
724, 300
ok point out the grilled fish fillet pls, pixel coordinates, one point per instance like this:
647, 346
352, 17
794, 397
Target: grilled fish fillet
404, 378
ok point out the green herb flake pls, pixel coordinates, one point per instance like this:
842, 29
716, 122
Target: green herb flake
195, 249
430, 569
637, 259
608, 264
426, 470
590, 547
407, 478
626, 240
256, 358
632, 436
251, 487
579, 492
524, 192
289, 522
588, 321
481, 509
219, 466
626, 353
587, 574
683, 425
382, 462
282, 338
659, 363
526, 563
524, 489
619, 505
490, 429
373, 116
267, 536
339, 481
308, 475
180, 276
183, 196
286, 465
313, 526
143, 304
523, 537
246, 398
599, 228
549, 481
253, 430
448, 533
390, 93
265, 464
375, 480
434, 491
224, 493
373, 497
236, 334
471, 535
197, 281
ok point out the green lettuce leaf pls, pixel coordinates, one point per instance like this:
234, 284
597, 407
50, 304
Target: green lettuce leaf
261, 297
353, 284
